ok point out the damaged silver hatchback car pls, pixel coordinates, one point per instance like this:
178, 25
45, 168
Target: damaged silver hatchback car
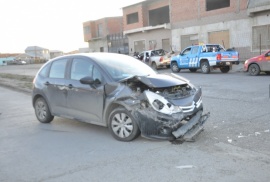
121, 93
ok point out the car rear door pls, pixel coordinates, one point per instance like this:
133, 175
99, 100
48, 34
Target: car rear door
55, 90
85, 102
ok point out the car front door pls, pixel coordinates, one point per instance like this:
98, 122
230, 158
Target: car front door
194, 58
265, 64
184, 58
85, 102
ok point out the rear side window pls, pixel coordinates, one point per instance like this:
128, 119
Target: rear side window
44, 71
58, 69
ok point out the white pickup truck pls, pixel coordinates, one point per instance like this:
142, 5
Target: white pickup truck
155, 58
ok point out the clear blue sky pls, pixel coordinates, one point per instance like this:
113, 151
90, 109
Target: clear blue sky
52, 24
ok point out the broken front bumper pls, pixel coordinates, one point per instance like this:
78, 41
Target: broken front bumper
192, 128
171, 127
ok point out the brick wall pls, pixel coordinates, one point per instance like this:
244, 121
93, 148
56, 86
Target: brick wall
142, 9
196, 9
114, 25
110, 25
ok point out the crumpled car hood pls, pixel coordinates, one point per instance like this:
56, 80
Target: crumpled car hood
162, 80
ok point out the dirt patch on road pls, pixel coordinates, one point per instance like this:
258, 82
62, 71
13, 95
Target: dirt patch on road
18, 82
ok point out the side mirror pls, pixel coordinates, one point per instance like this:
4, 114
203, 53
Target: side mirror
89, 81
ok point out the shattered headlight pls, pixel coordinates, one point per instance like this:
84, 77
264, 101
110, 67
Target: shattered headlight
160, 104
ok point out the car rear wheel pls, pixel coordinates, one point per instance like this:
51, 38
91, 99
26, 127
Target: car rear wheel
42, 111
175, 68
225, 69
193, 70
254, 70
122, 125
205, 67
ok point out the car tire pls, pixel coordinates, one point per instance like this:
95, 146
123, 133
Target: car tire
267, 72
205, 67
225, 69
193, 70
154, 66
254, 70
174, 68
42, 111
122, 125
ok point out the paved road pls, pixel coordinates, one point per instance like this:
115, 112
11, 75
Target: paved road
235, 145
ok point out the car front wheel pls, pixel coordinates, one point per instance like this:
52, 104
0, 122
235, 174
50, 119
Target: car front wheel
175, 68
254, 70
42, 111
122, 125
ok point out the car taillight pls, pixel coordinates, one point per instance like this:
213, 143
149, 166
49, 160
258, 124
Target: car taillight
161, 59
218, 56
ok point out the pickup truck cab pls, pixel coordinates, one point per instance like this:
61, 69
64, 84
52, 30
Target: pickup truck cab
205, 57
155, 58
258, 64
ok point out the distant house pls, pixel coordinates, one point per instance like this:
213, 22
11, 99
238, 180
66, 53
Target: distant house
40, 54
55, 53
24, 57
106, 35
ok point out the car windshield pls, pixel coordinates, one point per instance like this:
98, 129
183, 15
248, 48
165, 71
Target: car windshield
121, 66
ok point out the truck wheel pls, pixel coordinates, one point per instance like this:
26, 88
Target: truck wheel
193, 70
205, 67
174, 68
154, 66
225, 69
254, 70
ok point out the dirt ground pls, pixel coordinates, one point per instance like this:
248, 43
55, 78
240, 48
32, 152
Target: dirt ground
22, 83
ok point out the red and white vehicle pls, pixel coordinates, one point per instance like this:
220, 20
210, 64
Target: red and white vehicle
258, 64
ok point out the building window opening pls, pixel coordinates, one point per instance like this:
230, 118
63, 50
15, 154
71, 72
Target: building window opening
132, 18
217, 4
